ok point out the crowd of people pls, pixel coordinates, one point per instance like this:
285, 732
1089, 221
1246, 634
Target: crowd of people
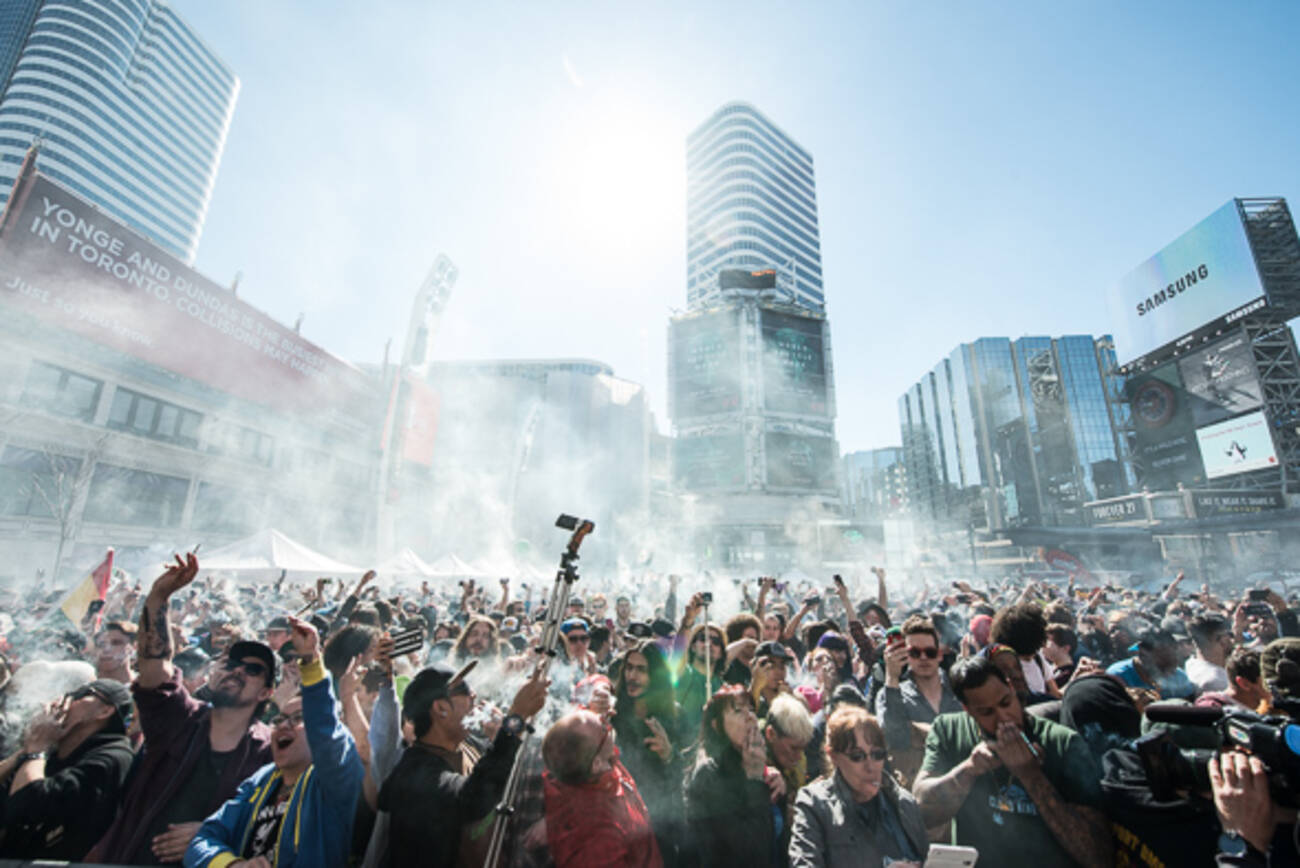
786, 724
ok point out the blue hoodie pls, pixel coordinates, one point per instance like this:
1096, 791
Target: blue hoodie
317, 825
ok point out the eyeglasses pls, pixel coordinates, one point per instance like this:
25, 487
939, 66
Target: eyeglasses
928, 653
291, 719
252, 667
578, 637
857, 755
87, 690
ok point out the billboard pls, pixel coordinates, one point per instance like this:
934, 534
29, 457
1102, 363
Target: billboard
1164, 429
1206, 276
1213, 503
1237, 446
706, 364
1221, 380
800, 461
72, 266
709, 461
794, 364
738, 278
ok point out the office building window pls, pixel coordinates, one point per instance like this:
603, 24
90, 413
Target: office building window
119, 495
61, 392
36, 483
236, 441
150, 417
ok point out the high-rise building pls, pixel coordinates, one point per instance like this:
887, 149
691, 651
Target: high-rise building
875, 483
751, 203
1006, 433
130, 107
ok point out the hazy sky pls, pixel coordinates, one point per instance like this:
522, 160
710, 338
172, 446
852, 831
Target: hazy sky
983, 168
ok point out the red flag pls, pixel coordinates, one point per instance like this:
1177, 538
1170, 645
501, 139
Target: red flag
93, 587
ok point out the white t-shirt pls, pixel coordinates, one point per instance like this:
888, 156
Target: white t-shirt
1037, 670
1206, 676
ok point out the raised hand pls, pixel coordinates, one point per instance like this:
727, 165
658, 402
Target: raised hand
658, 741
176, 576
305, 639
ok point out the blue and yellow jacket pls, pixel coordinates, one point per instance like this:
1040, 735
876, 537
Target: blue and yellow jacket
317, 825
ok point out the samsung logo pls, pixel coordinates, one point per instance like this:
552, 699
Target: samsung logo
1172, 291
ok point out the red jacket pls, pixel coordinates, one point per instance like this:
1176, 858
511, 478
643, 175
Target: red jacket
599, 824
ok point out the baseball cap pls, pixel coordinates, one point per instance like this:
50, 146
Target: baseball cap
250, 648
279, 622
639, 630
661, 627
772, 649
110, 692
1174, 627
573, 623
435, 681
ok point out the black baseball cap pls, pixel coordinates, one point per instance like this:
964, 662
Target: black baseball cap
279, 622
639, 630
435, 681
110, 692
773, 649
250, 648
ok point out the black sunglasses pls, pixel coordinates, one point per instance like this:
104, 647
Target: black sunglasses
857, 755
928, 653
252, 667
578, 637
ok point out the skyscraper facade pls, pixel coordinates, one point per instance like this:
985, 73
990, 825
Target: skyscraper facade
751, 203
130, 107
1006, 433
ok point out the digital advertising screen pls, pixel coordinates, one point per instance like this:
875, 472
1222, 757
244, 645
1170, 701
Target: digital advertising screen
800, 461
710, 461
706, 364
794, 364
1206, 275
1221, 380
1164, 429
1237, 446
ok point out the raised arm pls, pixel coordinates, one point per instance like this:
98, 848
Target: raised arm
153, 640
882, 594
764, 586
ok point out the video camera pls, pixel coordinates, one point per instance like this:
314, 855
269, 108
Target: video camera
1274, 739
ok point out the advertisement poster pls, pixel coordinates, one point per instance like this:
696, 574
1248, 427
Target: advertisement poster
1237, 446
706, 364
1164, 430
74, 267
709, 462
800, 461
1205, 275
794, 364
1221, 380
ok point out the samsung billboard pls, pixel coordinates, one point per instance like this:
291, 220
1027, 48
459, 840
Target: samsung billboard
1206, 276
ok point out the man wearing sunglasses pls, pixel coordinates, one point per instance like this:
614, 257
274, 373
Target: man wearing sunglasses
299, 809
59, 792
923, 694
195, 754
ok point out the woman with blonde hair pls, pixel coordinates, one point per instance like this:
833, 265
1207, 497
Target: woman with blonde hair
858, 815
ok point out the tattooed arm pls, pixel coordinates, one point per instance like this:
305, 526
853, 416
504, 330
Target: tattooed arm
940, 798
154, 639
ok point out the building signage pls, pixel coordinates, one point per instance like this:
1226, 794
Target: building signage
706, 364
1207, 275
1238, 445
1221, 380
73, 266
709, 462
794, 364
1165, 435
1211, 503
1123, 509
796, 461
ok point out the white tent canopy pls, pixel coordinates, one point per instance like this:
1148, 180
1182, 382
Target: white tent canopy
406, 563
453, 567
270, 551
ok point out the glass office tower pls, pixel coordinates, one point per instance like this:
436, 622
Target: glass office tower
1006, 433
751, 203
130, 108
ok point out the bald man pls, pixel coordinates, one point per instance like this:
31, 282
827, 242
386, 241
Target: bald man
594, 815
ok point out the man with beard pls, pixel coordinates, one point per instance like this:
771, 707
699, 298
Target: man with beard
442, 787
194, 755
478, 641
1024, 790
298, 810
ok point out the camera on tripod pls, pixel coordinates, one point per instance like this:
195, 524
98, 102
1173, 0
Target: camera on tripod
1274, 739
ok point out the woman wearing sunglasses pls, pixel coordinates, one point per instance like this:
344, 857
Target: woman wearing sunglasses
858, 816
692, 691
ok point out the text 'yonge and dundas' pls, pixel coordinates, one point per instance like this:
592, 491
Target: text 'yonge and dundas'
75, 267
1207, 274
